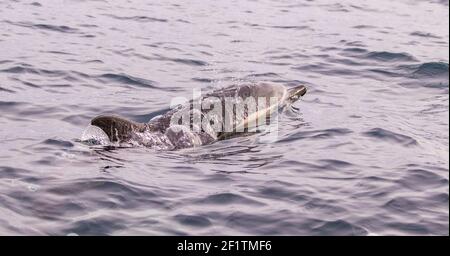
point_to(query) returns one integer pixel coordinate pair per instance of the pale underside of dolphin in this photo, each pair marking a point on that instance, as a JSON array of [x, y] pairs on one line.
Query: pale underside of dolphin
[[250, 106]]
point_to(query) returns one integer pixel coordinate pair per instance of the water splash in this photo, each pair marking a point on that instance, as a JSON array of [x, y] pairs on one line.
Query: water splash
[[93, 135]]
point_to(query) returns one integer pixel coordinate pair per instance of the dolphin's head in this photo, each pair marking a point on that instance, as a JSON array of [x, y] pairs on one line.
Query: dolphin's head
[[272, 90], [262, 90], [117, 128], [295, 93]]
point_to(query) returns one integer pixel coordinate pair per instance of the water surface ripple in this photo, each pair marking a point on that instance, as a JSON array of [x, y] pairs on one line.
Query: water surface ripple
[[366, 153]]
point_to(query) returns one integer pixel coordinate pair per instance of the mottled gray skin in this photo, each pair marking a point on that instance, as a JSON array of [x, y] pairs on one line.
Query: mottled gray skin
[[159, 132]]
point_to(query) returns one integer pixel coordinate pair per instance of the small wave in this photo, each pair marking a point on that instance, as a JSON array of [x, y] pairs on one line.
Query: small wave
[[59, 143], [364, 27], [202, 80], [264, 75], [193, 220], [184, 21], [336, 7], [336, 163], [137, 18], [122, 191], [77, 120], [339, 228], [422, 180], [190, 62], [319, 134], [103, 225], [385, 135], [126, 79], [5, 61], [227, 198], [19, 70], [410, 228], [443, 2], [353, 43], [57, 52], [6, 90], [430, 75], [355, 50], [63, 29], [439, 199], [282, 192], [7, 172], [88, 25], [48, 27], [389, 56], [431, 69], [4, 105], [28, 69], [364, 8], [292, 27], [424, 34], [401, 204], [384, 72]]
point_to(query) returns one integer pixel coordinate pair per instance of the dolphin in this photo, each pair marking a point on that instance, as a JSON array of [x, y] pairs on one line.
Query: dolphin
[[238, 108]]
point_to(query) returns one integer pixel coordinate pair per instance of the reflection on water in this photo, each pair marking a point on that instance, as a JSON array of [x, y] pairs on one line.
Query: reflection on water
[[365, 152]]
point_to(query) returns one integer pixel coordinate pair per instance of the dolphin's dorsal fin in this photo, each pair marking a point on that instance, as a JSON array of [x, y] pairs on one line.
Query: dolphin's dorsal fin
[[118, 128]]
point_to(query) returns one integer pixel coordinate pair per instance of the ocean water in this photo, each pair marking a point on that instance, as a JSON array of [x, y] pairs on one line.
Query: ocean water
[[367, 152]]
